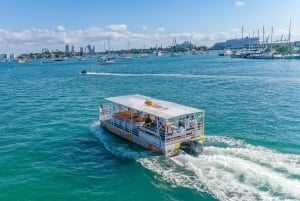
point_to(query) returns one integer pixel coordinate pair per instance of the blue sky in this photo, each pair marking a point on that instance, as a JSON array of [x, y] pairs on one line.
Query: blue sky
[[29, 25]]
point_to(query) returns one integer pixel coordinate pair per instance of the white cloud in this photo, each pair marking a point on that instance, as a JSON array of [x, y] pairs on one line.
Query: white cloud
[[161, 29], [144, 27], [60, 28], [34, 39], [239, 3], [117, 27]]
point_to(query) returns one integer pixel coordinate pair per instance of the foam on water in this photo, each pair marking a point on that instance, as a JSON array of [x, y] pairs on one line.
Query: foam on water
[[143, 74], [235, 171], [229, 169], [179, 75]]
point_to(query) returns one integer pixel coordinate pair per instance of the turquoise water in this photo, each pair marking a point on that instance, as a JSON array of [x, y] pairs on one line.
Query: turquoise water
[[52, 147]]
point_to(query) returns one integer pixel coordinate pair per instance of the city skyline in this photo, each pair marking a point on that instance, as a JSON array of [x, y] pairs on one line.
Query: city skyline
[[31, 26]]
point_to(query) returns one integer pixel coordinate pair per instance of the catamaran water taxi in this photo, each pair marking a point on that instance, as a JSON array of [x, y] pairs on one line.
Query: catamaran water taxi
[[154, 124]]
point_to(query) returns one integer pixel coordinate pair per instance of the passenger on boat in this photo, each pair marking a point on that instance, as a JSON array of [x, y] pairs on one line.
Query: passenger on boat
[[193, 122], [101, 109], [181, 123], [148, 121], [169, 128], [140, 114], [187, 122]]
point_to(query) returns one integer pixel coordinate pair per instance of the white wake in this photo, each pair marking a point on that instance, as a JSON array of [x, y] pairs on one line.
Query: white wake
[[203, 76], [235, 171], [229, 169]]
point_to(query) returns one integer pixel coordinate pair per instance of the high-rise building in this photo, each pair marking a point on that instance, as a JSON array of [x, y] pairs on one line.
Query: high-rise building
[[45, 50], [67, 49], [72, 49], [88, 49], [81, 51]]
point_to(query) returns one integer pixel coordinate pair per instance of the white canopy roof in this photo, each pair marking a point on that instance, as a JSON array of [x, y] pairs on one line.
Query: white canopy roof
[[162, 109]]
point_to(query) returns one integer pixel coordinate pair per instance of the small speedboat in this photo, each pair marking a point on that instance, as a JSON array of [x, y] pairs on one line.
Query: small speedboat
[[83, 72]]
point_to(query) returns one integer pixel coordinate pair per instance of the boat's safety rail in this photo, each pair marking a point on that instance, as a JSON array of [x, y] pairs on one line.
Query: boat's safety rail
[[137, 129], [181, 134], [125, 124], [105, 112]]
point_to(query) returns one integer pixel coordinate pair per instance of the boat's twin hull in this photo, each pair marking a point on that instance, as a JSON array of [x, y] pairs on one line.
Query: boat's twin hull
[[169, 150], [130, 137]]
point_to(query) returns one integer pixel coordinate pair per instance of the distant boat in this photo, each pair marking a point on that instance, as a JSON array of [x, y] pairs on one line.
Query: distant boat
[[126, 55], [58, 59], [108, 58], [267, 55], [225, 52], [81, 59], [83, 72], [21, 61], [143, 55], [174, 52], [158, 53]]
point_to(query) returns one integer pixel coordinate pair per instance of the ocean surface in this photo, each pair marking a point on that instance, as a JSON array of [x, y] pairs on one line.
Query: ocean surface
[[53, 148]]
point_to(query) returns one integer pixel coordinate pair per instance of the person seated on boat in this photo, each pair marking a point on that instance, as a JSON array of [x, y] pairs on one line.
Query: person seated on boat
[[187, 122], [169, 128], [181, 123], [140, 114], [135, 114], [101, 109], [148, 120], [193, 122]]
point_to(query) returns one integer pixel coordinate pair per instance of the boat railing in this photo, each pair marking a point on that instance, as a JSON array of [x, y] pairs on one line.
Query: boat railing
[[105, 112], [125, 124], [181, 134]]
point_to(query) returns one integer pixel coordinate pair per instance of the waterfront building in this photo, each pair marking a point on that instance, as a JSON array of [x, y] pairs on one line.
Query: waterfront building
[[81, 51], [241, 43], [185, 45], [45, 50], [4, 56], [67, 49], [13, 56]]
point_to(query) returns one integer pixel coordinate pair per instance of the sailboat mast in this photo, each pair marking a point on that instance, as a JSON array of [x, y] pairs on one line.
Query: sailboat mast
[[264, 35], [258, 38], [242, 32], [271, 37], [290, 31], [289, 45]]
